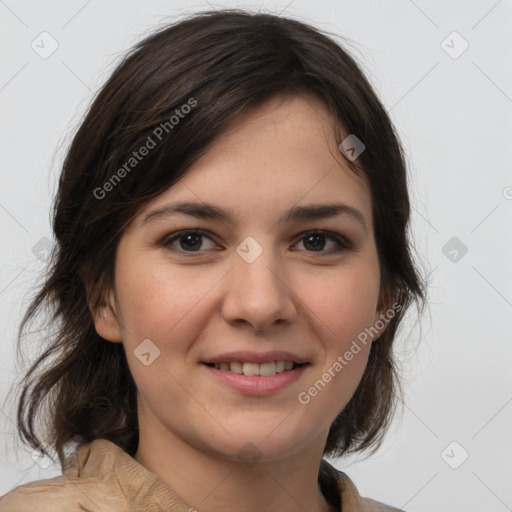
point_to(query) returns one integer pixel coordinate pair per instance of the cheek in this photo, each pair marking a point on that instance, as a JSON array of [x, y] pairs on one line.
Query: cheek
[[161, 305], [345, 304]]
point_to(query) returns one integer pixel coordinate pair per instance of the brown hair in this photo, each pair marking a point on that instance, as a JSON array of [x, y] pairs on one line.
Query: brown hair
[[227, 62]]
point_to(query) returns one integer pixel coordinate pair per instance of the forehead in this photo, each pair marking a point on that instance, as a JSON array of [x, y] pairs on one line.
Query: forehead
[[277, 155]]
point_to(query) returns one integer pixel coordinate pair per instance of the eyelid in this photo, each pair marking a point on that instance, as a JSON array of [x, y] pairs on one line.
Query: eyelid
[[176, 235], [343, 243]]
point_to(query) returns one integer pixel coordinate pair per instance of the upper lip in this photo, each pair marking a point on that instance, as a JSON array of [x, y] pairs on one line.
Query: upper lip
[[245, 356]]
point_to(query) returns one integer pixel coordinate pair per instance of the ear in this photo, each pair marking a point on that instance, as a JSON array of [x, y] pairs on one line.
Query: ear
[[383, 314], [103, 311]]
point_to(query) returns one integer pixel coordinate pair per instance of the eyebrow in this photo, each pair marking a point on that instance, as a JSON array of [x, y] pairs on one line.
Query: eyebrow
[[209, 211]]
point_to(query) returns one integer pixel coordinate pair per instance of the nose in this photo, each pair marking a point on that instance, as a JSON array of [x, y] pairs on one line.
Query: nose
[[258, 295]]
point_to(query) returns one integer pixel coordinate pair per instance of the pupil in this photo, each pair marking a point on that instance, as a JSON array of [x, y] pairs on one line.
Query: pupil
[[192, 241], [189, 241], [314, 245]]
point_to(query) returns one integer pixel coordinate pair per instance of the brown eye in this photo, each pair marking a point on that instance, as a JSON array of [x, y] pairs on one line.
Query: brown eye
[[187, 241], [316, 241]]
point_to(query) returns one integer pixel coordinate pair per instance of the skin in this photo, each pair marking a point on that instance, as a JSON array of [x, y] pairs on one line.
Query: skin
[[311, 300]]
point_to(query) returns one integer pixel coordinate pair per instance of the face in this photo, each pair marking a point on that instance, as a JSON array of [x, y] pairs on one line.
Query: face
[[237, 313]]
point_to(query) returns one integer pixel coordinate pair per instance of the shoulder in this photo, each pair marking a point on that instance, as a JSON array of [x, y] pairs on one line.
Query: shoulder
[[377, 506], [54, 494], [62, 494], [77, 490], [351, 500], [357, 502]]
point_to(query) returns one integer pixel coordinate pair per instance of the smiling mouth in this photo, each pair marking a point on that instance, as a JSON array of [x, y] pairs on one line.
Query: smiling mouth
[[254, 369]]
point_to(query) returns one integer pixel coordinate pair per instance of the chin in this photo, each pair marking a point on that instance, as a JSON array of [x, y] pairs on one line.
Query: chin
[[263, 442]]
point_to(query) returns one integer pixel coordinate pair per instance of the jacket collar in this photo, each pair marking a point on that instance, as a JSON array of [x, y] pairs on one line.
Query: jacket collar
[[141, 489]]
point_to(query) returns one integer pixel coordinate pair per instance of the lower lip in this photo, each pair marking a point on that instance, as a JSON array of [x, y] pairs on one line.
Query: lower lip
[[258, 385]]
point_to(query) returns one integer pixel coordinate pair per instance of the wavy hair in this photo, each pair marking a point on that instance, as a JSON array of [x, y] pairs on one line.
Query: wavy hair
[[228, 61]]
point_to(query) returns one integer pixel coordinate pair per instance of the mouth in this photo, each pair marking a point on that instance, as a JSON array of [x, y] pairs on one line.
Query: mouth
[[250, 369], [252, 373]]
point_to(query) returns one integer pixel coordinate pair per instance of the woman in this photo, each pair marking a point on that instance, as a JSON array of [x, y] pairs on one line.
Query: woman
[[231, 267]]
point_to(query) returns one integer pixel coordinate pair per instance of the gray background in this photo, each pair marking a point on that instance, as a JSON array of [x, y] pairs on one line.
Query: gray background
[[453, 111]]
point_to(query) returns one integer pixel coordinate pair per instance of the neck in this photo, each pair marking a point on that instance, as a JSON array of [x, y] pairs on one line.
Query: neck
[[206, 481]]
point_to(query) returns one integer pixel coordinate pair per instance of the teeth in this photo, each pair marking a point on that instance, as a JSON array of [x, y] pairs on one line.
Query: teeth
[[236, 367], [251, 369], [254, 369], [268, 369]]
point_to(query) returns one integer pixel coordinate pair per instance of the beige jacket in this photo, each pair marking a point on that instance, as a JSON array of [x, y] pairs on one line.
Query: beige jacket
[[104, 478]]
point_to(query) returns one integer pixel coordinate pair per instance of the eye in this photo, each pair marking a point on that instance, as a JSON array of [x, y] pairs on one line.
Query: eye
[[315, 241], [193, 241], [187, 241]]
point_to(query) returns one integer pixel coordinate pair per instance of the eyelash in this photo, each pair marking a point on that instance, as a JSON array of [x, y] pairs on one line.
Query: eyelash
[[343, 243]]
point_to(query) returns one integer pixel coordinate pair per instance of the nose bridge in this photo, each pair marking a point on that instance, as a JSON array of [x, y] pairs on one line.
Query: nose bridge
[[257, 292]]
